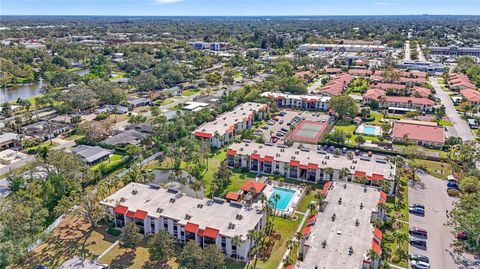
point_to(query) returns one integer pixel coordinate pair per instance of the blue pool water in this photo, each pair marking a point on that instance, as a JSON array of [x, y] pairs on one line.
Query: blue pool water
[[369, 130], [285, 198]]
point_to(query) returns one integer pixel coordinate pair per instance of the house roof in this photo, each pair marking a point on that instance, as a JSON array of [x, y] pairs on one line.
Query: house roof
[[374, 93], [132, 137], [90, 153], [407, 99], [253, 184], [232, 196], [418, 132], [471, 95]]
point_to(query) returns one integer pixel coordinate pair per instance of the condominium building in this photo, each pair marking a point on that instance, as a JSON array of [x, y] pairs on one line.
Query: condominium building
[[227, 125], [307, 164], [306, 102], [216, 46], [455, 51], [205, 221]]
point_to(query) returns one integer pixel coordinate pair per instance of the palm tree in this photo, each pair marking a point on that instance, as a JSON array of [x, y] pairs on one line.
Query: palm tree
[[320, 198], [329, 171], [275, 199], [237, 241], [372, 255], [343, 173], [196, 186]]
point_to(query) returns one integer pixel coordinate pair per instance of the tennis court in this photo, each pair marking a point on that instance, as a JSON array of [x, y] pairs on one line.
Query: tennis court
[[308, 131]]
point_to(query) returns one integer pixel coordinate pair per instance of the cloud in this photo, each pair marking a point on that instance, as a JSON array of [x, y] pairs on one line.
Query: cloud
[[383, 3], [166, 1]]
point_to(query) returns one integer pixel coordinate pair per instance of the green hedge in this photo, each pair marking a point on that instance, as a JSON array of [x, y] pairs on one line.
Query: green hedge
[[113, 231]]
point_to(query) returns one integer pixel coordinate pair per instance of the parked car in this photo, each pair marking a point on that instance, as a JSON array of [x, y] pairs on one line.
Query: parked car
[[284, 129], [418, 206], [265, 127], [415, 231], [419, 265], [331, 148], [419, 243], [462, 235], [281, 121], [452, 185], [416, 211], [344, 150], [422, 258]]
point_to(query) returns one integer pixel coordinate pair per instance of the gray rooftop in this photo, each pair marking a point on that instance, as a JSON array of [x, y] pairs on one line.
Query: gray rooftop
[[80, 263], [132, 137], [215, 215], [91, 154], [376, 164], [342, 233], [6, 137]]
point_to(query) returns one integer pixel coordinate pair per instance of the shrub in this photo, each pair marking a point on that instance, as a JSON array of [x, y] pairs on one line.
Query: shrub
[[114, 231], [453, 192]]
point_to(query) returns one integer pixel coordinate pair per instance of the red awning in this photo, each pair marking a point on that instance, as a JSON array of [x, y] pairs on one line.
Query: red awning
[[268, 159], [130, 214], [306, 230], [294, 163], [325, 187], [376, 247], [312, 218], [233, 196], [376, 177], [200, 232], [140, 214], [210, 232], [255, 156], [359, 174], [203, 135], [303, 167], [231, 152], [383, 197], [230, 129], [120, 209], [191, 227], [377, 233], [312, 166]]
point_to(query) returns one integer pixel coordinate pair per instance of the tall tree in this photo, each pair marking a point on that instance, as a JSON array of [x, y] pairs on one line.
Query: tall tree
[[161, 247], [192, 256], [131, 236]]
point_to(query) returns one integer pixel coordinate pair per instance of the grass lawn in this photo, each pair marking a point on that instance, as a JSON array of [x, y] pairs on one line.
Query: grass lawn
[[74, 236], [445, 123], [46, 144], [286, 229], [307, 198], [113, 160], [350, 129], [436, 169], [176, 107], [232, 264], [189, 92], [164, 102], [378, 118], [74, 137]]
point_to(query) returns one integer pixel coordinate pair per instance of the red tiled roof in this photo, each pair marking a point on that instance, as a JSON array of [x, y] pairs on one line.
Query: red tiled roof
[[255, 156], [375, 177], [418, 132], [376, 247], [312, 166], [386, 86], [203, 135], [231, 152], [191, 227], [374, 93], [268, 159], [130, 214], [424, 92], [140, 214], [256, 185], [120, 209], [383, 197], [406, 100], [233, 196], [210, 232], [306, 230], [290, 266], [377, 233], [359, 174], [471, 95], [294, 163], [332, 70]]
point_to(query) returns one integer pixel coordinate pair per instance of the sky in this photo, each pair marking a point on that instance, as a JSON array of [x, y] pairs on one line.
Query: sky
[[238, 7]]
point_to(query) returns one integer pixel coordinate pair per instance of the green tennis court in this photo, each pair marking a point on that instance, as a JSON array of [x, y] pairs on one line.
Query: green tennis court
[[308, 131]]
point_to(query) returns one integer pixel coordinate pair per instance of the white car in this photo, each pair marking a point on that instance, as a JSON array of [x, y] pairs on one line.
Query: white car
[[419, 265]]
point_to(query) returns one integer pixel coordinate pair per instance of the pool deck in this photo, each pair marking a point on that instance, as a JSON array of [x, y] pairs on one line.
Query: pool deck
[[376, 132]]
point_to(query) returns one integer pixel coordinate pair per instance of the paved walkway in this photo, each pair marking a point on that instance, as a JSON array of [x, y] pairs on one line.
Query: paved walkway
[[396, 266], [421, 57], [280, 266], [107, 250], [407, 51], [460, 127], [314, 86]]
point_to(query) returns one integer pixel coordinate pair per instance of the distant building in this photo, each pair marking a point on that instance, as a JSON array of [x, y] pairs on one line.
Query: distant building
[[215, 46], [306, 102], [342, 48], [9, 140], [92, 155], [431, 68], [455, 51]]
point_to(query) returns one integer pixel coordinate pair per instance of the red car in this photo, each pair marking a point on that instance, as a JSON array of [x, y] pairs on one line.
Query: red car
[[462, 235]]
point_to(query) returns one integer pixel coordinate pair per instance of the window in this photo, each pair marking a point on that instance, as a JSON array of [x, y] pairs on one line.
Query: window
[[165, 224]]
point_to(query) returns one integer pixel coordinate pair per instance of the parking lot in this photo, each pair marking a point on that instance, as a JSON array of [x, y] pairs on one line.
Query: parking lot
[[282, 120], [432, 193]]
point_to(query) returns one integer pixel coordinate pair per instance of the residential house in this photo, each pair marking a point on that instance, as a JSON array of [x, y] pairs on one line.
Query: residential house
[[92, 154], [422, 133], [129, 137]]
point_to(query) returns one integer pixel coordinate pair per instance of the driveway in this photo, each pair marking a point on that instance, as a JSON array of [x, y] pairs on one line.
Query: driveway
[[460, 126], [432, 192], [407, 51]]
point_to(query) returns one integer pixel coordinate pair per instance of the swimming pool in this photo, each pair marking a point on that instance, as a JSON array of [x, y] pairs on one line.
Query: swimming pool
[[285, 198], [369, 130]]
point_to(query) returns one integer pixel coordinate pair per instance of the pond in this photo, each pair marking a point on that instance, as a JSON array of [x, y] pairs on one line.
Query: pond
[[23, 91]]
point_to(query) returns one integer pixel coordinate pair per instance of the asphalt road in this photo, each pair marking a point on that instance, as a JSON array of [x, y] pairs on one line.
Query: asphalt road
[[432, 192], [407, 51], [460, 126]]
